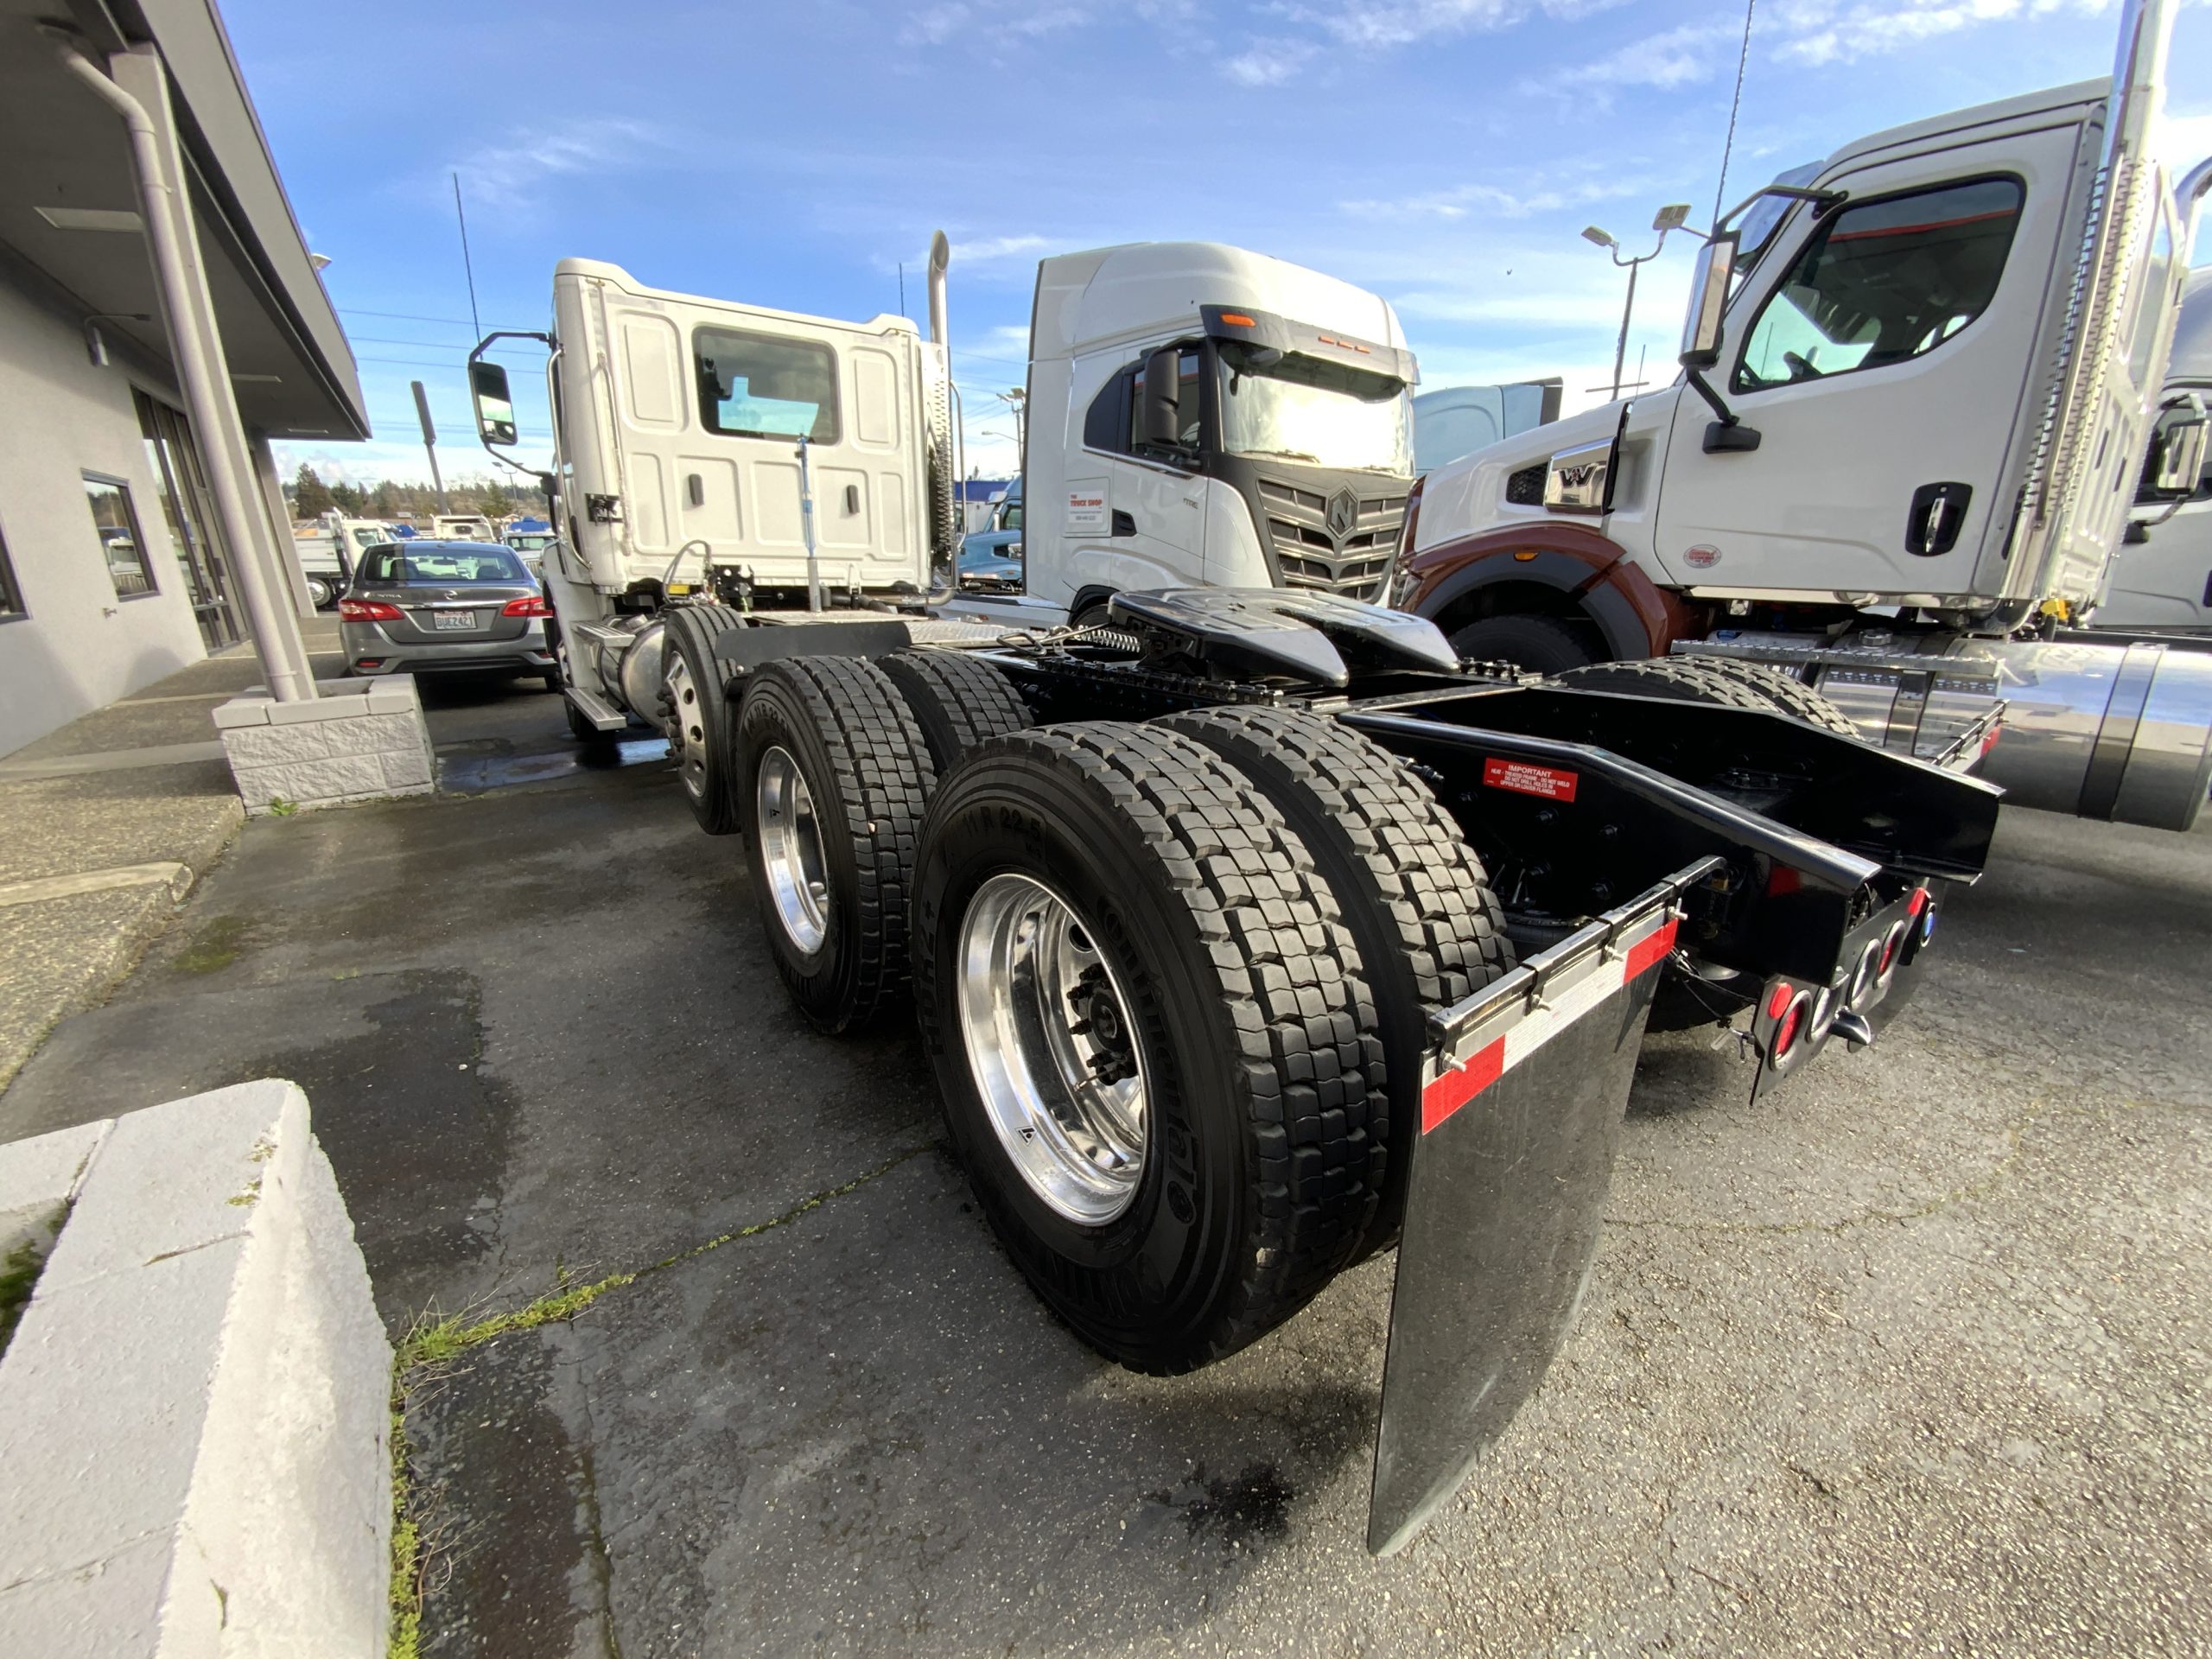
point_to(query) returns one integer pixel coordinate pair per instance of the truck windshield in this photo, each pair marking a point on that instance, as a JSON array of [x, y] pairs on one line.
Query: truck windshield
[[1301, 409]]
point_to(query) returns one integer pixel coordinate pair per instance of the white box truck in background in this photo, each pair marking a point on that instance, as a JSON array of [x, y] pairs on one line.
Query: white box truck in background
[[1920, 383]]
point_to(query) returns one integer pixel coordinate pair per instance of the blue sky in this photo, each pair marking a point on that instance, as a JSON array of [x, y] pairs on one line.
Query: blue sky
[[1444, 153]]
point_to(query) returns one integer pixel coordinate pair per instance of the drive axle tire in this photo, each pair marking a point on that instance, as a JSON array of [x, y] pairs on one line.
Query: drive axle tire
[[1542, 644], [696, 710], [1413, 893], [1788, 695], [832, 780], [956, 701], [1675, 679], [1157, 1051]]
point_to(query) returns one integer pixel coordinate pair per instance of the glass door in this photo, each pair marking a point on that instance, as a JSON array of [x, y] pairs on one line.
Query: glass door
[[189, 508]]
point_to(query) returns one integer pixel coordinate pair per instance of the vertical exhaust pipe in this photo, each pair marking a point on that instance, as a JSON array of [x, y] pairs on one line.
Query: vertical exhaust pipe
[[940, 257]]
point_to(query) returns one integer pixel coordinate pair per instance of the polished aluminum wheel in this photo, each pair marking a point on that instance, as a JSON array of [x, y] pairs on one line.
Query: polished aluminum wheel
[[687, 729], [790, 837], [1050, 1048]]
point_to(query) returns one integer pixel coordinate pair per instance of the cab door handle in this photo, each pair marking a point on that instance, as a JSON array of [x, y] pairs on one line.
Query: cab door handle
[[1931, 526]]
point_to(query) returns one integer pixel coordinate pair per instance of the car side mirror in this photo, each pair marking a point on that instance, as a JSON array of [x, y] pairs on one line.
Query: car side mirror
[[1716, 266], [2176, 461], [495, 408], [1160, 419]]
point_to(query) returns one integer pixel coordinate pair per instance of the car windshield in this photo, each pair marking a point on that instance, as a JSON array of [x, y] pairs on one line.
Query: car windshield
[[443, 565], [1327, 414]]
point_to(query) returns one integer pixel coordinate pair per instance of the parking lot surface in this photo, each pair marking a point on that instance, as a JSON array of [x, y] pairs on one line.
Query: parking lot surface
[[1911, 1356]]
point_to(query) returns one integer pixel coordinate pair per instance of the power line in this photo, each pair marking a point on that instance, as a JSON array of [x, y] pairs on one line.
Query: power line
[[1742, 58]]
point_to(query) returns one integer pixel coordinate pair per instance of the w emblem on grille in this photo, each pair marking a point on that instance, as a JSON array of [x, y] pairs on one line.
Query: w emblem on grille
[[1343, 514]]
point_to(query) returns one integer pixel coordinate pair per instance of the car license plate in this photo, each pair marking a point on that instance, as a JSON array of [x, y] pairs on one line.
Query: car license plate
[[455, 620]]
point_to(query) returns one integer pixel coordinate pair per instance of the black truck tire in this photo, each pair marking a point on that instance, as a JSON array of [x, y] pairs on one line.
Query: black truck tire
[[1542, 644], [1250, 1034], [1414, 894], [1676, 678], [696, 709], [831, 838], [1788, 695], [956, 699]]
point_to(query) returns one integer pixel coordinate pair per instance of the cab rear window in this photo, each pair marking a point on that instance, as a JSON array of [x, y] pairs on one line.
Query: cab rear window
[[399, 566]]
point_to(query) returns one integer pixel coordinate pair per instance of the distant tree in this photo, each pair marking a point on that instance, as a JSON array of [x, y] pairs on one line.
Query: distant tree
[[497, 503], [381, 503], [348, 498], [311, 497]]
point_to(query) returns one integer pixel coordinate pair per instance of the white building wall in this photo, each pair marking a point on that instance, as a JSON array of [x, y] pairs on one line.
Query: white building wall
[[77, 646]]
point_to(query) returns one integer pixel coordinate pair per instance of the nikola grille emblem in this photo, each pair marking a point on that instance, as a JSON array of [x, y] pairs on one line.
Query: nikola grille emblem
[[1343, 514]]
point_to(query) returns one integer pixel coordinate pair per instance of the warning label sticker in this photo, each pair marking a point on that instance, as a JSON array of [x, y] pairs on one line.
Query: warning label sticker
[[1524, 777]]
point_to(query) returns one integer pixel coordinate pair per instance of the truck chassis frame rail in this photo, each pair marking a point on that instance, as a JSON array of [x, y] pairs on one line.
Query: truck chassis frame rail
[[1802, 868]]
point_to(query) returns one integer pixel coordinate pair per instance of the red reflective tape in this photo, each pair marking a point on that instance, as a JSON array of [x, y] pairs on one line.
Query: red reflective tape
[[1652, 952], [1455, 1089], [1524, 779], [1919, 902]]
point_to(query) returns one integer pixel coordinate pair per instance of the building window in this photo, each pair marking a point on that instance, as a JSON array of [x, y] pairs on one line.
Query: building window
[[761, 386], [117, 525], [12, 597]]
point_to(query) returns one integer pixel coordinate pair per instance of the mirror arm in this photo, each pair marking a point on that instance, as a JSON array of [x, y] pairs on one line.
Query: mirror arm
[[1728, 434], [1822, 200]]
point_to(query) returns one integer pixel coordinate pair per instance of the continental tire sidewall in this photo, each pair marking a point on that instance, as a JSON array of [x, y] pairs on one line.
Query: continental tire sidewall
[[825, 981], [1143, 1285]]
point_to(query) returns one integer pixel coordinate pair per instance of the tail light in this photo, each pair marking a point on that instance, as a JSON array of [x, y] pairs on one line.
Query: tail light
[[1792, 1022], [367, 610], [535, 604]]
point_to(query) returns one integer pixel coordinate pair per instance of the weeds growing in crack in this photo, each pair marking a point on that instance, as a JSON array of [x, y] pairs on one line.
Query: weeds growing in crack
[[436, 1339]]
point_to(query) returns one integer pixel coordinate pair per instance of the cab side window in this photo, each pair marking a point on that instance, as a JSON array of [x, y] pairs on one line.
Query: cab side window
[[1110, 422], [1883, 283]]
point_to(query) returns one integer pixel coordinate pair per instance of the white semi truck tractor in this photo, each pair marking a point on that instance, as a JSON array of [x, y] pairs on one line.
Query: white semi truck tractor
[[1247, 934], [2161, 580], [1199, 414], [1920, 381]]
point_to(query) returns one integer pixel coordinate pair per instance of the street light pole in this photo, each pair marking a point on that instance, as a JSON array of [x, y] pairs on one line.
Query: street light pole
[[1667, 219]]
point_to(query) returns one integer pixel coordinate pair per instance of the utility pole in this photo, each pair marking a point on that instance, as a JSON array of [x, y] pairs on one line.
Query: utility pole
[[1017, 399], [430, 445], [1667, 219]]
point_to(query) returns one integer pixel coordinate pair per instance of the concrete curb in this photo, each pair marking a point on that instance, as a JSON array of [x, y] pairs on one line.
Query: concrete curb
[[194, 1412], [111, 946]]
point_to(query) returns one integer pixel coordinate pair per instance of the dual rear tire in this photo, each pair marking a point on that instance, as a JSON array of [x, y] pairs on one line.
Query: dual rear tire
[[1172, 977]]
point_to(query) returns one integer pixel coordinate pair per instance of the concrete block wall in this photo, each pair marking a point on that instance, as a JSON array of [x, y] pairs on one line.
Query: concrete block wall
[[194, 1409], [359, 740]]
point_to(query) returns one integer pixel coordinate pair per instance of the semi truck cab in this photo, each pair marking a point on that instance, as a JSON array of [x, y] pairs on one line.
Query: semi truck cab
[[1920, 395]]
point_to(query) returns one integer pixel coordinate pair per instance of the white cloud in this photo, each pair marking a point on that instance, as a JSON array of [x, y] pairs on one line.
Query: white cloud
[[1378, 24], [1270, 63], [1459, 201], [1823, 31], [984, 249], [512, 173]]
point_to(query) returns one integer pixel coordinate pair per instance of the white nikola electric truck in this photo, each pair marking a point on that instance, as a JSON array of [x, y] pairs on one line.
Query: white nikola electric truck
[[1197, 416], [1920, 380]]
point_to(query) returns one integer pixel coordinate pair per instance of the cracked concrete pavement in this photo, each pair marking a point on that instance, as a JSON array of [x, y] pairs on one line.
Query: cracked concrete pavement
[[1911, 1355]]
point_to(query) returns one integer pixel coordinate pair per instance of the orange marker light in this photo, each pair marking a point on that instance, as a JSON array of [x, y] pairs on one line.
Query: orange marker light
[[1238, 320]]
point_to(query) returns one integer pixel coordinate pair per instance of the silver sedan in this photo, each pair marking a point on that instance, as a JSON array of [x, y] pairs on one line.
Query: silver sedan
[[445, 608]]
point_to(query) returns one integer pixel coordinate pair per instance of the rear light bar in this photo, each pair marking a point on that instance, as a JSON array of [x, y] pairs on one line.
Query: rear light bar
[[534, 605], [367, 610]]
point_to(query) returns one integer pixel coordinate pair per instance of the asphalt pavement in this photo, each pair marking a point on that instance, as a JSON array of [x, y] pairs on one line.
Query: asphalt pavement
[[1910, 1357]]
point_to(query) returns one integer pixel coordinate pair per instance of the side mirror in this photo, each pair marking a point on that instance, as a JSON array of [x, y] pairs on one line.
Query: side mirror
[[1716, 265], [495, 409], [1160, 419], [2175, 462]]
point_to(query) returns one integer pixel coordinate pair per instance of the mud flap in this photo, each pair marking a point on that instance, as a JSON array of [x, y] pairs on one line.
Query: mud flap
[[1520, 1112]]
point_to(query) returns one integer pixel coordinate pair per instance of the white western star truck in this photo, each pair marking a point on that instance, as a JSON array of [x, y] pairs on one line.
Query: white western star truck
[[1248, 934], [1920, 382]]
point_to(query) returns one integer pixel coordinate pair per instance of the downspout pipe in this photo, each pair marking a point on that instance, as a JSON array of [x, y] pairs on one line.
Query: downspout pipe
[[209, 412]]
